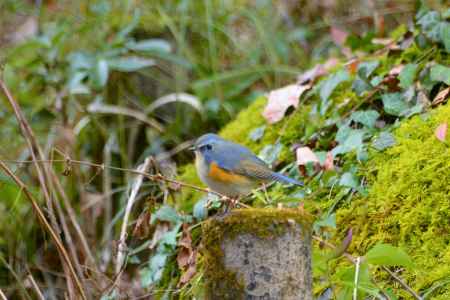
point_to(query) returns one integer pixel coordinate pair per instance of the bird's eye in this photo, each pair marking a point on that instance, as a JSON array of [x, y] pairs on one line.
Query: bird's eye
[[208, 147]]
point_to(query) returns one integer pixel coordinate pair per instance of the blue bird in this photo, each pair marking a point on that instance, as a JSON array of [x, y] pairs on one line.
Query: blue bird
[[231, 169]]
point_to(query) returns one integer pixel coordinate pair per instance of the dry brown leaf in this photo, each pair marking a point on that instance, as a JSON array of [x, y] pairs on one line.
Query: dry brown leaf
[[338, 35], [396, 70], [441, 132], [441, 96], [190, 272], [161, 229], [280, 100], [306, 155], [319, 70], [142, 227], [328, 164]]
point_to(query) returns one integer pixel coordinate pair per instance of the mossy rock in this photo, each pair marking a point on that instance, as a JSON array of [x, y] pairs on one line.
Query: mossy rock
[[408, 204], [253, 227]]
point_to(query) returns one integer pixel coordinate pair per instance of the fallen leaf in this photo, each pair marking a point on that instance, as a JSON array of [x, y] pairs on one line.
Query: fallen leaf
[[186, 258], [280, 100], [319, 70], [396, 70], [306, 155], [441, 96], [441, 132], [161, 229], [328, 164], [142, 227], [190, 272], [338, 35]]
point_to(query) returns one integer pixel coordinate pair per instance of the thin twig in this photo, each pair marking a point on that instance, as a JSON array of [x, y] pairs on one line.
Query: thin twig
[[151, 177], [402, 283], [392, 274], [2, 295], [43, 176], [355, 288], [35, 287], [134, 191]]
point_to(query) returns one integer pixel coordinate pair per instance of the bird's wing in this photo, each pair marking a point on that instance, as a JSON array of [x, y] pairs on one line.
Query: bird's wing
[[241, 161]]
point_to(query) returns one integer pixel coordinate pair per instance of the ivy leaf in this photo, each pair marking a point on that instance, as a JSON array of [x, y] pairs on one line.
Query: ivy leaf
[[200, 211], [431, 25], [328, 220], [366, 69], [130, 63], [387, 255], [332, 82], [393, 104], [445, 36], [385, 140], [270, 153], [348, 179], [440, 73], [367, 118], [407, 75], [153, 273], [169, 214], [353, 141]]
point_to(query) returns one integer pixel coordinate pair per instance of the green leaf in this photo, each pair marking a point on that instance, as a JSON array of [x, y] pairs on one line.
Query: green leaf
[[81, 61], [348, 179], [431, 25], [168, 214], [445, 36], [100, 76], [200, 211], [150, 45], [325, 221], [385, 140], [407, 75], [393, 104], [440, 73], [270, 153], [153, 273], [130, 63], [332, 82], [387, 255], [353, 141], [365, 69], [367, 117]]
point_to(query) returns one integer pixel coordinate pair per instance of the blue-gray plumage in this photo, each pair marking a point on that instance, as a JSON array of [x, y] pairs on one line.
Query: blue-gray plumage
[[232, 169]]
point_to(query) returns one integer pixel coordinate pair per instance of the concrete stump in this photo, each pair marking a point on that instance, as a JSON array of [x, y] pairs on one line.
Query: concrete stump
[[258, 254]]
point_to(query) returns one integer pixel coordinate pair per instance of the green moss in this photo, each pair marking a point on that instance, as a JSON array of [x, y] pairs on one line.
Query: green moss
[[263, 223], [409, 201]]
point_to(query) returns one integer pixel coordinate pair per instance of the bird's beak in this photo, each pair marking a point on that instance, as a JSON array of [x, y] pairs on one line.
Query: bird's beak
[[192, 148]]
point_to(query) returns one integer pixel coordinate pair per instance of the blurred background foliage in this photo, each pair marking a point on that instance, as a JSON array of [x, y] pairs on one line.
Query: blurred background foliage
[[116, 81]]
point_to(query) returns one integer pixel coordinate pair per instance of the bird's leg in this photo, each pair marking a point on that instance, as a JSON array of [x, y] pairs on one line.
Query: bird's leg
[[230, 203]]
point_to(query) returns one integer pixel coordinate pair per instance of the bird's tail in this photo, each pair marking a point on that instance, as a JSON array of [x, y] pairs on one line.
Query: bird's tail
[[285, 179]]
